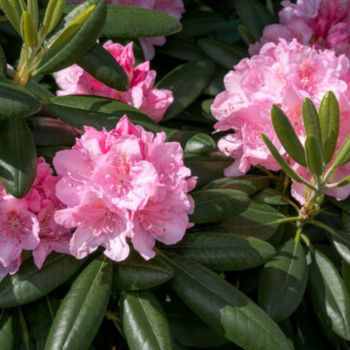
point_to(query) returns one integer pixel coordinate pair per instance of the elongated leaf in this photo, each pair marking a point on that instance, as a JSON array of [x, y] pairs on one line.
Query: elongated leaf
[[329, 295], [79, 43], [97, 112], [30, 284], [341, 242], [254, 16], [287, 135], [13, 13], [223, 252], [28, 30], [186, 82], [144, 322], [217, 205], [271, 196], [200, 143], [283, 281], [313, 155], [16, 101], [135, 273], [183, 49], [17, 157], [343, 155], [345, 271], [103, 66], [82, 310], [53, 14], [329, 121], [10, 329], [225, 308], [3, 63], [135, 22], [224, 54]]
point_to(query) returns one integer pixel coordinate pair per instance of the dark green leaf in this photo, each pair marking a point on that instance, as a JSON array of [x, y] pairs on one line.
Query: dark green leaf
[[200, 143], [38, 90], [313, 156], [97, 112], [82, 310], [329, 121], [135, 273], [217, 205], [271, 196], [287, 135], [343, 155], [3, 63], [144, 322], [30, 284], [223, 252], [206, 105], [10, 330], [134, 22], [283, 281], [79, 43], [17, 157], [186, 82], [254, 16], [246, 34], [329, 294], [225, 308], [341, 242], [345, 271], [224, 54]]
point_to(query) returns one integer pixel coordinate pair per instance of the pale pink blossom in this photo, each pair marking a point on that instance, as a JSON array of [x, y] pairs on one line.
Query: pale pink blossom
[[283, 74], [142, 93], [322, 24], [120, 185]]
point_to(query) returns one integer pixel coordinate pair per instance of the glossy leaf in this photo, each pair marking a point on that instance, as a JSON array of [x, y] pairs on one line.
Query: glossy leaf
[[283, 281], [287, 135], [30, 284], [135, 273], [10, 329], [329, 121], [79, 43], [225, 308], [103, 66], [135, 22], [329, 294], [222, 251], [186, 82], [182, 49], [17, 157], [343, 155], [97, 112], [314, 157], [144, 322], [200, 143], [341, 242], [217, 205], [272, 197], [82, 310]]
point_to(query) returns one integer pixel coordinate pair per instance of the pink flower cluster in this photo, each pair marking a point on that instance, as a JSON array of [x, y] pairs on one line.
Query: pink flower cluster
[[174, 8], [283, 74], [322, 24], [28, 223], [142, 94], [126, 183]]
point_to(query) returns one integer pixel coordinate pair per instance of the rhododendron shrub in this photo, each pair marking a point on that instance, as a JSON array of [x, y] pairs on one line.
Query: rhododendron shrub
[[282, 74], [142, 93], [125, 183]]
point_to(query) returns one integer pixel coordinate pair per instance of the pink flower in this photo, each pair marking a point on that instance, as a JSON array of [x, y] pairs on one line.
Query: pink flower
[[282, 74], [322, 24], [142, 94], [174, 8], [123, 184]]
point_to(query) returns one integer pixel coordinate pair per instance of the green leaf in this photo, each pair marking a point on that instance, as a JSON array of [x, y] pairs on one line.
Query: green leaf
[[135, 273], [287, 135], [343, 155], [217, 205], [30, 284], [144, 322], [259, 221], [10, 330], [341, 241], [186, 82], [254, 16], [223, 53], [329, 295], [53, 14], [283, 281], [200, 143], [34, 12], [271, 196], [345, 271], [16, 101], [135, 22], [17, 157], [82, 310], [223, 252], [28, 31], [343, 182], [329, 121], [103, 66], [183, 49], [97, 112], [224, 308], [314, 158], [79, 43], [3, 63], [246, 34], [249, 184], [12, 12]]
